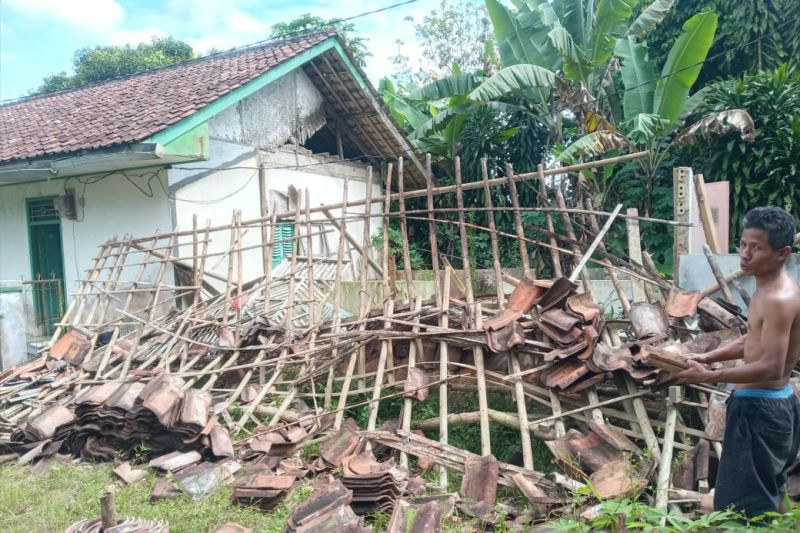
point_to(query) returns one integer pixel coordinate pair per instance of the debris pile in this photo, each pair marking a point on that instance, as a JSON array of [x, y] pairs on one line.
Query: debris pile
[[119, 419], [276, 360]]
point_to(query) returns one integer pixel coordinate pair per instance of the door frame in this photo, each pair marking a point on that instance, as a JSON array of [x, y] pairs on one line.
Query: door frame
[[38, 310]]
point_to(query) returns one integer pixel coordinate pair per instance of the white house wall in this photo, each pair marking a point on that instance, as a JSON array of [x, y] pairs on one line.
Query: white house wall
[[111, 206], [264, 128], [216, 194]]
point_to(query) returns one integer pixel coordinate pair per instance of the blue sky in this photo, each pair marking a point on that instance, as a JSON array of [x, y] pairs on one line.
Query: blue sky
[[39, 37]]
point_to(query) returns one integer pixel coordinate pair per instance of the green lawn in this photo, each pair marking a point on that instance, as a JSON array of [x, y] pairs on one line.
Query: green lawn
[[62, 494]]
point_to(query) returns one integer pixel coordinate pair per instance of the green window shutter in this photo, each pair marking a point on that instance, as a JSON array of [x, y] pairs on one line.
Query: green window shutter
[[284, 231]]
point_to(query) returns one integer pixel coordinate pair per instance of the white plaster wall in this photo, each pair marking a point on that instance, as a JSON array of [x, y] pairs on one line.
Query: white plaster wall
[[111, 206], [12, 328], [216, 194]]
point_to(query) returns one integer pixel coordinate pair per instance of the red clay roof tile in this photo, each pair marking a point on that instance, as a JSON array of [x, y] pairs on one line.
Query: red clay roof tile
[[131, 109]]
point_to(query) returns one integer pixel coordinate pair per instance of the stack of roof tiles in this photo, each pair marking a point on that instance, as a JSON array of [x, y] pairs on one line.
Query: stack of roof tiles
[[120, 419]]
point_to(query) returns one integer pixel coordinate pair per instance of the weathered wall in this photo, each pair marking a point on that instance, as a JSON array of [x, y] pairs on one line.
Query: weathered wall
[[265, 128], [111, 206], [216, 194], [12, 325], [290, 109]]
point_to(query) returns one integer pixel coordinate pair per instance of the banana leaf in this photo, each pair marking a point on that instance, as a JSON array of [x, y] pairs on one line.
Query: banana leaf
[[718, 124], [513, 79], [638, 75], [458, 85], [650, 18], [683, 65], [596, 143]]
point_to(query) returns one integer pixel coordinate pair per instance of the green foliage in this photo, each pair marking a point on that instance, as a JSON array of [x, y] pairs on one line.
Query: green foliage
[[63, 494], [91, 65], [764, 172], [683, 65], [308, 23], [626, 514], [396, 245], [741, 23], [457, 32]]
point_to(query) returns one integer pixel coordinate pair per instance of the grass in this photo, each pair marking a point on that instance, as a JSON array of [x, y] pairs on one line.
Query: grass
[[66, 493]]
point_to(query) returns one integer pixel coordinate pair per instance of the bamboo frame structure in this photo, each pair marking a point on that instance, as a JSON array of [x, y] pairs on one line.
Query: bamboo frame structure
[[273, 333]]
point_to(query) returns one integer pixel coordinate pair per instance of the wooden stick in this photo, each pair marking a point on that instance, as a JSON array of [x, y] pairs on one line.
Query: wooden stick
[[376, 389], [523, 247], [108, 512], [706, 217], [444, 359], [337, 297], [388, 289], [665, 466], [635, 253], [442, 190], [557, 272], [362, 353], [592, 247], [342, 228], [363, 311], [519, 394], [712, 262], [473, 313]]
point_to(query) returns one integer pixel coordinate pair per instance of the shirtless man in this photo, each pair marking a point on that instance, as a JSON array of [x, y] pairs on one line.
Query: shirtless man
[[762, 433]]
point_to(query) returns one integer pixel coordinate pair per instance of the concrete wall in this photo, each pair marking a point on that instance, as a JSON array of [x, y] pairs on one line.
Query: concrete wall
[[695, 274], [266, 128], [12, 325], [107, 207]]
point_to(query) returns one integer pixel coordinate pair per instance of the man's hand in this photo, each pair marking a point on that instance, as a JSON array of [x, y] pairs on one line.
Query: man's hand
[[699, 357], [696, 373]]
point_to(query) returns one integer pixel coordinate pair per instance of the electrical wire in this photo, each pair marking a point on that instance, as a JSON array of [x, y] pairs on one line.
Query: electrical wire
[[369, 156]]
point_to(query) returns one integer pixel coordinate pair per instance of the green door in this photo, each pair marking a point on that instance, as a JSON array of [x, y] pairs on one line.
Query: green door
[[47, 262]]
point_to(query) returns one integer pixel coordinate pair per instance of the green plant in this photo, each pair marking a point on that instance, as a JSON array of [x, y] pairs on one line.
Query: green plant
[[765, 171]]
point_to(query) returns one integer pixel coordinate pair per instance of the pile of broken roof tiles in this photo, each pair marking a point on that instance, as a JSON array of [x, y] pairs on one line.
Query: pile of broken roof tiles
[[112, 420]]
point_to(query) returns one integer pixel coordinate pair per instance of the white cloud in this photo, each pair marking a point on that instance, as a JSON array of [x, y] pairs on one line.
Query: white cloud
[[93, 15], [238, 22]]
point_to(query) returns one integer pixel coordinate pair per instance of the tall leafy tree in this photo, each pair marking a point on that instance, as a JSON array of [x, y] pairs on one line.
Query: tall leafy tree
[[457, 32], [91, 65], [760, 34], [308, 22]]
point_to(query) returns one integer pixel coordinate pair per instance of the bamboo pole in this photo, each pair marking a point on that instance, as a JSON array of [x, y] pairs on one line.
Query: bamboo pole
[[519, 395], [450, 188], [523, 247], [473, 312], [337, 297], [665, 466], [557, 272], [358, 353]]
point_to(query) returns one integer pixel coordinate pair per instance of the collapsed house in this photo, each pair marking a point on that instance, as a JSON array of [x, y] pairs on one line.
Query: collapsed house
[[152, 151], [237, 377]]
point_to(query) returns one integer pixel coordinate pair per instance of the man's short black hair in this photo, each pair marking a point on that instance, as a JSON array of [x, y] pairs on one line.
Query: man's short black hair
[[778, 224]]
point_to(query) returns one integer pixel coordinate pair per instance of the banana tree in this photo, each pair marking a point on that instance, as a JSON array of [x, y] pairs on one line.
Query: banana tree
[[555, 56], [574, 41], [655, 106]]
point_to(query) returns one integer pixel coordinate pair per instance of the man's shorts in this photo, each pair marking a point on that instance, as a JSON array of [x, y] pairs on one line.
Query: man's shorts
[[762, 437]]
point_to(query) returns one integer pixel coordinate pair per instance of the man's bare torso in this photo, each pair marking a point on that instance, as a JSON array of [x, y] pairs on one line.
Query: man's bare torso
[[787, 290]]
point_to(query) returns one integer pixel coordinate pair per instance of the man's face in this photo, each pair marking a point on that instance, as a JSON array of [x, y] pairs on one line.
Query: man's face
[[756, 256]]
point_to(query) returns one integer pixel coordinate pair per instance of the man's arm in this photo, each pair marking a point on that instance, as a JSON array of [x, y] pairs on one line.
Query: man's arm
[[774, 347], [727, 352]]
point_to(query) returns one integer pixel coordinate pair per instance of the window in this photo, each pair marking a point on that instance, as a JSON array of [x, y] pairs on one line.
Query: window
[[284, 231]]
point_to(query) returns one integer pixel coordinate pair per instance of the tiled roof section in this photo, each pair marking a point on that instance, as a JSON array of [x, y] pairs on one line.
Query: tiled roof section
[[131, 109]]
